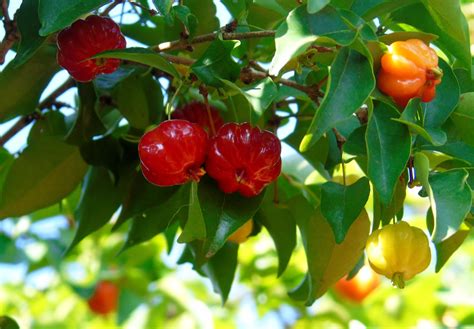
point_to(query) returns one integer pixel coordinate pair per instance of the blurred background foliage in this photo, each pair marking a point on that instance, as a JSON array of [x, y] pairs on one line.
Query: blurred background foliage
[[40, 288]]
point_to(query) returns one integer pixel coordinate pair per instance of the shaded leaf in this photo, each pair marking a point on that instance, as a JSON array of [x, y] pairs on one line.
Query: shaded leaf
[[8, 323], [463, 118], [20, 93], [53, 177], [279, 222], [388, 150], [314, 6], [195, 227], [157, 219], [100, 198], [450, 201], [327, 260], [446, 248], [140, 100]]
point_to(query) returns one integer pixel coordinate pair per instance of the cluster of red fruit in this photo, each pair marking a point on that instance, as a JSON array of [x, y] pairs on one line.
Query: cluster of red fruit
[[241, 158]]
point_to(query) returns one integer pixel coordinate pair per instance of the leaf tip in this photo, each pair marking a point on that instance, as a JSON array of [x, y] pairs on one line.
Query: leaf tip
[[306, 142]]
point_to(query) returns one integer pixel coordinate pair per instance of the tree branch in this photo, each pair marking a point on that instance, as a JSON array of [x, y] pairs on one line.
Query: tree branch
[[11, 33], [27, 119], [107, 10], [186, 43]]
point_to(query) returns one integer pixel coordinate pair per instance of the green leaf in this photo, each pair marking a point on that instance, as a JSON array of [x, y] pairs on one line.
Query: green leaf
[[369, 9], [385, 213], [220, 269], [143, 56], [155, 35], [259, 96], [195, 227], [279, 222], [58, 14], [163, 6], [237, 8], [142, 196], [446, 248], [301, 29], [463, 118], [100, 198], [343, 96], [28, 25], [87, 123], [155, 220], [388, 150], [20, 93], [217, 63], [355, 143], [6, 160], [106, 152], [327, 260], [316, 154], [314, 6], [30, 187], [450, 202], [434, 135], [443, 18], [140, 100], [224, 213], [341, 205], [186, 17], [439, 109], [8, 323]]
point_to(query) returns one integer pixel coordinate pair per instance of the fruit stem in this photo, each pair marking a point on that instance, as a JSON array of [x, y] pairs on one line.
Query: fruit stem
[[397, 280], [204, 93], [171, 101]]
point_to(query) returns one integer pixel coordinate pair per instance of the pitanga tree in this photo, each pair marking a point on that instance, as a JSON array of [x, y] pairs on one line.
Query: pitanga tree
[[179, 136]]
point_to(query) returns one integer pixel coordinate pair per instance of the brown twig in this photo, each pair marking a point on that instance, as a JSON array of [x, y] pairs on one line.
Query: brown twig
[[27, 119], [11, 33], [185, 43], [204, 92]]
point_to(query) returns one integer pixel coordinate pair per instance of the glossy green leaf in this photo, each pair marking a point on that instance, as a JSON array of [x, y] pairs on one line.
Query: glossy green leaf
[[439, 109], [355, 143], [446, 248], [58, 14], [443, 18], [216, 64], [155, 220], [20, 93], [385, 213], [327, 260], [8, 323], [155, 35], [279, 222], [435, 136], [237, 8], [28, 188], [341, 205], [223, 213], [140, 100], [463, 118], [450, 202], [343, 96], [87, 123], [186, 17], [195, 227], [302, 28], [388, 150], [143, 56], [100, 198], [314, 6], [28, 25]]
